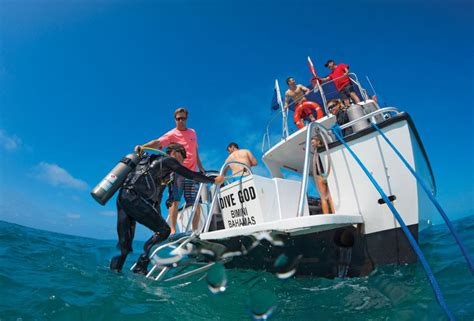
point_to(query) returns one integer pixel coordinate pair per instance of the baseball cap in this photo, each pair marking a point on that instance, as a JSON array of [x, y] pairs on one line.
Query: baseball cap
[[328, 62]]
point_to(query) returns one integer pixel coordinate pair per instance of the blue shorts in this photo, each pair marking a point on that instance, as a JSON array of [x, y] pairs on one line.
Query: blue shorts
[[182, 186]]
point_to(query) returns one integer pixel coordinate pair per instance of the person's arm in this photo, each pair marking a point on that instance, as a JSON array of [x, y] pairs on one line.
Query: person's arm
[[156, 143], [325, 79], [287, 100], [175, 166], [306, 90], [253, 161], [198, 161]]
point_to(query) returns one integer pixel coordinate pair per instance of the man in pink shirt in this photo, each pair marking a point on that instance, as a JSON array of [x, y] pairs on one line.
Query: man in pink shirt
[[186, 137], [341, 81]]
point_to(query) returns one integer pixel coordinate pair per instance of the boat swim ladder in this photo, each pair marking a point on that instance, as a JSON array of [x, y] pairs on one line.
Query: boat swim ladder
[[178, 242], [432, 198], [429, 273]]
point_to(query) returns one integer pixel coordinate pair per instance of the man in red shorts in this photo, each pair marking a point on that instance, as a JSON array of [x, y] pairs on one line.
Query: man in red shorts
[[341, 81]]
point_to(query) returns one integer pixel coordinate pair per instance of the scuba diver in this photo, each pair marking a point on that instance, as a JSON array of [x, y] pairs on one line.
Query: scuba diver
[[140, 197]]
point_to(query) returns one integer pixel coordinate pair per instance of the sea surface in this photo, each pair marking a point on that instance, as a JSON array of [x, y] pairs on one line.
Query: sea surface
[[50, 276]]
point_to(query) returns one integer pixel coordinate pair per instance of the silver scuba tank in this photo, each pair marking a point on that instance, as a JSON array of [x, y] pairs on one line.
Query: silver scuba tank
[[114, 180], [355, 112]]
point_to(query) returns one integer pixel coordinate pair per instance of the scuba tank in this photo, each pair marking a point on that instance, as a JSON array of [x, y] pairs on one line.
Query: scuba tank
[[355, 112], [114, 180]]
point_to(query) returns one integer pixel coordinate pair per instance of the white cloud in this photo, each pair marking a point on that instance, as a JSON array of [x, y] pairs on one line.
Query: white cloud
[[57, 176], [9, 142], [73, 216]]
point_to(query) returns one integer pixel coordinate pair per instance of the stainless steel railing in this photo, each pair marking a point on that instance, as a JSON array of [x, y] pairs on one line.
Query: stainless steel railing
[[217, 191], [371, 115], [266, 140], [307, 161]]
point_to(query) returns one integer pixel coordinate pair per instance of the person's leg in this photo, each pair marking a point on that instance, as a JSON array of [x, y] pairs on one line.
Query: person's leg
[[173, 215], [196, 217], [332, 210], [141, 267], [190, 194], [150, 216], [126, 232], [354, 97], [176, 192], [345, 95], [322, 189], [328, 203]]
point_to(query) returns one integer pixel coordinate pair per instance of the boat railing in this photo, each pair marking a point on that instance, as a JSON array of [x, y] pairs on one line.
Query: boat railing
[[195, 205], [312, 127], [266, 141], [354, 81], [210, 213], [323, 91], [307, 161], [201, 189], [310, 132], [381, 111]]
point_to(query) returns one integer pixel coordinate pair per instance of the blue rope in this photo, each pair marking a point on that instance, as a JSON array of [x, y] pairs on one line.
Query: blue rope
[[433, 200], [434, 284]]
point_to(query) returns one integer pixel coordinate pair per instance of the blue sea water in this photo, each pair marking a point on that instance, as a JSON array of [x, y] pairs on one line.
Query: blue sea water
[[49, 276]]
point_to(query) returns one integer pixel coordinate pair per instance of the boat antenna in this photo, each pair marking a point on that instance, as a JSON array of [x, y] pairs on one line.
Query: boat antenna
[[370, 83]]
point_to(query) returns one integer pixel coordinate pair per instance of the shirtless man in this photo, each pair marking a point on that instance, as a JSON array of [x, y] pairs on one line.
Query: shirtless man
[[296, 92], [242, 156]]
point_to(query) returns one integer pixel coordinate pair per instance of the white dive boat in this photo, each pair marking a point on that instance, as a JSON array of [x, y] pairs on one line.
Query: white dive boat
[[270, 223]]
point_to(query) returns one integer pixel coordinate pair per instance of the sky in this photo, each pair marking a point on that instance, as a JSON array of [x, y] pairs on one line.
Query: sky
[[83, 82]]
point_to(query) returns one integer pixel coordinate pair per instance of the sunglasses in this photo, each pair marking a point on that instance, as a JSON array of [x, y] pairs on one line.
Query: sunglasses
[[181, 118]]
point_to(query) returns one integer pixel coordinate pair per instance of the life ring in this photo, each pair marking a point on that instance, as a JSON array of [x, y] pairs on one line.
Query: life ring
[[305, 109]]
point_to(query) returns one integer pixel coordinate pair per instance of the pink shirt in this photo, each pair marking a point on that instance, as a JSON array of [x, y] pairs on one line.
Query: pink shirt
[[188, 139]]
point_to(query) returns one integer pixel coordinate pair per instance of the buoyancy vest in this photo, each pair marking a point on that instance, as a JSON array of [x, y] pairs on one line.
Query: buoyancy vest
[[150, 177]]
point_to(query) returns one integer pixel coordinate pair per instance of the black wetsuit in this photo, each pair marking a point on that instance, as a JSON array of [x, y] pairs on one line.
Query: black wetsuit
[[342, 118], [139, 201]]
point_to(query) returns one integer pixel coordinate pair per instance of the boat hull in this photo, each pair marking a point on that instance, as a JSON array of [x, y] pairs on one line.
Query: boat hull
[[342, 252]]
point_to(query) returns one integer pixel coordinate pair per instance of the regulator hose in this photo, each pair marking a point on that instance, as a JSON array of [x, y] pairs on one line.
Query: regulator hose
[[151, 149]]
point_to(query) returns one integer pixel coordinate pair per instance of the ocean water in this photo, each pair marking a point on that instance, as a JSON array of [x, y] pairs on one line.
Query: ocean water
[[49, 276]]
